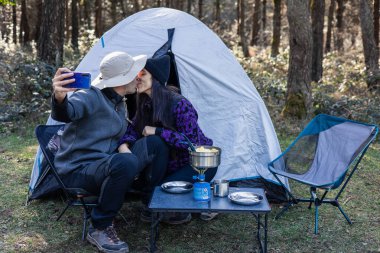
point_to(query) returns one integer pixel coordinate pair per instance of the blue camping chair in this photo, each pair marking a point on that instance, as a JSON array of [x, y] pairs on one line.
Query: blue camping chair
[[321, 156], [74, 196]]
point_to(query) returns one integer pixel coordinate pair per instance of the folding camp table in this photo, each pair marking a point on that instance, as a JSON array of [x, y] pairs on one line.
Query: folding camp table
[[165, 202]]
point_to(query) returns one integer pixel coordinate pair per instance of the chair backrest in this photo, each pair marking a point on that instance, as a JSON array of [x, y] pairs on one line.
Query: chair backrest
[[45, 135], [325, 149]]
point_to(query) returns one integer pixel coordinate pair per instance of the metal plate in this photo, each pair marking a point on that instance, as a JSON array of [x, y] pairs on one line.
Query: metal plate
[[177, 186], [245, 198]]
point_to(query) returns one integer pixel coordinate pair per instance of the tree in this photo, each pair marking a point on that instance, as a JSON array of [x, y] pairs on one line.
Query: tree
[[188, 6], [371, 54], [264, 15], [376, 7], [298, 95], [98, 18], [39, 19], [317, 16], [52, 32], [329, 26], [14, 22], [339, 25], [24, 27], [255, 23], [74, 24], [217, 12], [242, 29], [276, 28], [200, 9]]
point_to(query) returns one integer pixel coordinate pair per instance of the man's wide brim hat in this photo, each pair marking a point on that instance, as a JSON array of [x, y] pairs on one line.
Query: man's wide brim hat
[[118, 69]]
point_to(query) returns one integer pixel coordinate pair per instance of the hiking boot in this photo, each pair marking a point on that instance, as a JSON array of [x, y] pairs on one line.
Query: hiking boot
[[175, 218], [207, 216], [107, 240], [146, 215]]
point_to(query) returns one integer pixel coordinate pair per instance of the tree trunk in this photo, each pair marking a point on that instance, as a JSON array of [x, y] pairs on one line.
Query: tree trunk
[[113, 12], [317, 17], [87, 12], [98, 18], [217, 12], [264, 15], [24, 27], [136, 5], [255, 23], [67, 20], [39, 20], [242, 29], [189, 6], [298, 95], [238, 19], [339, 25], [200, 9], [167, 3], [371, 54], [329, 26], [376, 19], [74, 24], [14, 22], [276, 28], [51, 39]]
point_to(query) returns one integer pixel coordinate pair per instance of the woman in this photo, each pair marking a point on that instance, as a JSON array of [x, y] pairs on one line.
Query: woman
[[156, 134]]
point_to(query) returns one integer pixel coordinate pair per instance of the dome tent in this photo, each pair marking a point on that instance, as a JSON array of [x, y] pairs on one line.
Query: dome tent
[[230, 110]]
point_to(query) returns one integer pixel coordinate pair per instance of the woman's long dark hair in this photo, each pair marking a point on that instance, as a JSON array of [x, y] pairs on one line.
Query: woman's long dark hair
[[157, 110]]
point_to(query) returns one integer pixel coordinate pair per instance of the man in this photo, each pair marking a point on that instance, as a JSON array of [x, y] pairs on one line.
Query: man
[[87, 155]]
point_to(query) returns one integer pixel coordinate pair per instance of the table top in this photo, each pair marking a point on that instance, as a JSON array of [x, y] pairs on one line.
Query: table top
[[168, 202]]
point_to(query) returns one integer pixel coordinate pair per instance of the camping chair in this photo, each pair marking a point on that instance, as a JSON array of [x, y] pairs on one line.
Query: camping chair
[[321, 156], [73, 196]]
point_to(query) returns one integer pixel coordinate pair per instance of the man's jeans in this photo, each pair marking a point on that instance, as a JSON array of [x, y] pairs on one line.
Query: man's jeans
[[110, 178]]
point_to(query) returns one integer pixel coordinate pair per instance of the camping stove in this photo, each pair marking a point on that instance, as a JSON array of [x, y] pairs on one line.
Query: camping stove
[[201, 159]]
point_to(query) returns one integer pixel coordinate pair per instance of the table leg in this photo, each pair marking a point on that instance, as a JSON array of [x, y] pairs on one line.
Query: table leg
[[154, 231], [260, 225]]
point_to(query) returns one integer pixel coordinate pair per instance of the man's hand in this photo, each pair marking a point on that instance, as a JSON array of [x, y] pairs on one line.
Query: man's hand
[[59, 89], [123, 148], [149, 130]]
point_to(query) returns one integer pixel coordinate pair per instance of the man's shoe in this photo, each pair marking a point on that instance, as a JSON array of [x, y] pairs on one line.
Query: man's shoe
[[107, 240], [175, 218], [208, 216]]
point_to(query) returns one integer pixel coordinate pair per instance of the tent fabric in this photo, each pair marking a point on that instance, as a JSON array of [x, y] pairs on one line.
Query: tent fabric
[[230, 110], [323, 152]]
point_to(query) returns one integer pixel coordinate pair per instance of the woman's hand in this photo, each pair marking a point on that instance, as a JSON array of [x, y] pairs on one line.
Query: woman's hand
[[59, 89], [149, 130], [123, 148]]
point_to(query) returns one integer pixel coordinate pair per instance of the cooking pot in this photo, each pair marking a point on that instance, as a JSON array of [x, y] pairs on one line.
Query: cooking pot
[[208, 158]]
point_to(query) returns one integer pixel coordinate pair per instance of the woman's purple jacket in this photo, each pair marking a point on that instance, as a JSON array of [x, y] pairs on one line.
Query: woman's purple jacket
[[185, 117]]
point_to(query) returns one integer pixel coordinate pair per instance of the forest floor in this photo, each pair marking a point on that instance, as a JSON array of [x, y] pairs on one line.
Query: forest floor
[[32, 228], [25, 86]]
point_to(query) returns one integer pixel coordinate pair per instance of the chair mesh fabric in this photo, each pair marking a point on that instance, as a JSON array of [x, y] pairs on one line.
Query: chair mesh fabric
[[324, 151]]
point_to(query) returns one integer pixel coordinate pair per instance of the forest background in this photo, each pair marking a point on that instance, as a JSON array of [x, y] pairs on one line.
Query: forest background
[[304, 57]]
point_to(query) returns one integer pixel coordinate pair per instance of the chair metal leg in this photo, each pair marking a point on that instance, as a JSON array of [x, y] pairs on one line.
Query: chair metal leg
[[284, 209], [63, 211], [344, 214], [316, 220], [85, 218]]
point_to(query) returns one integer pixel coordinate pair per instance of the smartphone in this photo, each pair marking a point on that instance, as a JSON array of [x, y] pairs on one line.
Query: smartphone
[[82, 81]]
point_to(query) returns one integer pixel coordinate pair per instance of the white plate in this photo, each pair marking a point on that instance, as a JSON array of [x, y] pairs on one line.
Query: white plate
[[177, 187], [245, 198]]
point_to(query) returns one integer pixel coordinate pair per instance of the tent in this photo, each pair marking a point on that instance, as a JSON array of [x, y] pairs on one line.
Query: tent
[[230, 110]]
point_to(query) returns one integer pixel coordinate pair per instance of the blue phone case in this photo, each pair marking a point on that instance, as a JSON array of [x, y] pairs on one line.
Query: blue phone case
[[82, 81]]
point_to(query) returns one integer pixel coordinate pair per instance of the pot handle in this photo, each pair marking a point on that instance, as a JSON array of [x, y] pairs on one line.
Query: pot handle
[[188, 142]]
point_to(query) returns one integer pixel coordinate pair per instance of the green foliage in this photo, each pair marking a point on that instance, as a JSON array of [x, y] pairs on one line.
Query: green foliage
[[7, 2]]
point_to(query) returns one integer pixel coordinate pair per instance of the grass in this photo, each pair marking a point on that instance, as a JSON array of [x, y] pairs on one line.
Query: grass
[[33, 228]]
